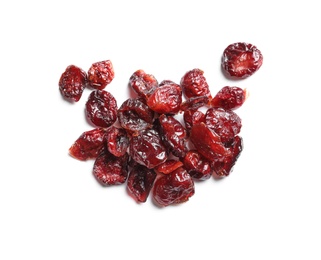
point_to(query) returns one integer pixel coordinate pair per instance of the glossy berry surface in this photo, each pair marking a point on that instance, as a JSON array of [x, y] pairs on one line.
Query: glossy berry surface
[[229, 98], [117, 141], [197, 166], [241, 59], [100, 74], [143, 84], [192, 117], [168, 166]]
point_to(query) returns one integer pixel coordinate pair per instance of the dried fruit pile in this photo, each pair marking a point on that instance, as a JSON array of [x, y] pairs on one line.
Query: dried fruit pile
[[142, 143]]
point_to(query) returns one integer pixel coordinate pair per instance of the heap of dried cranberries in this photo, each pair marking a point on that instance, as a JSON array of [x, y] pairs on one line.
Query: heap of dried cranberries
[[141, 143]]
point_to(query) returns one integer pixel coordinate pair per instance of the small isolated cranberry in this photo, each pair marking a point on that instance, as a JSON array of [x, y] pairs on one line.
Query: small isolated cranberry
[[241, 59], [143, 84], [229, 98], [100, 74], [72, 83]]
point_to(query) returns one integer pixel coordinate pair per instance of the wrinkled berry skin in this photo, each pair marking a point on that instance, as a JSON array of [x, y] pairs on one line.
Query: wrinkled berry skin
[[101, 108], [192, 117], [89, 144], [143, 84], [100, 74], [194, 103], [229, 98], [173, 188], [168, 166], [241, 60], [117, 141], [72, 83], [197, 166]]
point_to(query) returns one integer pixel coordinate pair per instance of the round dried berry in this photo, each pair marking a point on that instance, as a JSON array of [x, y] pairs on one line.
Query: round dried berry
[[197, 166], [72, 83], [229, 98], [241, 59], [100, 74], [101, 108], [143, 84]]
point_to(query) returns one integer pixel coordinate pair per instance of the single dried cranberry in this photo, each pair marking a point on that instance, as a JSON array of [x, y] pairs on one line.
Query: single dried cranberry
[[197, 166], [100, 74], [146, 148], [225, 123], [117, 141], [168, 166], [225, 167], [166, 99], [194, 103], [89, 145], [143, 84], [173, 188], [229, 98], [208, 143], [109, 169], [134, 115], [241, 59], [140, 182], [72, 83], [192, 117], [194, 84], [101, 108], [173, 135]]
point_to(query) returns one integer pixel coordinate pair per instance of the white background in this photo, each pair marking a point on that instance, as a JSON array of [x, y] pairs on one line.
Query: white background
[[51, 205]]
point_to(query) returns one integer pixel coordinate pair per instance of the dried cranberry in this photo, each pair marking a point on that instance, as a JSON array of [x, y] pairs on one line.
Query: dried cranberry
[[166, 99], [109, 169], [100, 74], [143, 84], [194, 84], [117, 141], [72, 83], [134, 115], [241, 59], [88, 145], [229, 98], [140, 182], [168, 166], [101, 108], [197, 166], [192, 117], [194, 103], [225, 123], [175, 187], [146, 148]]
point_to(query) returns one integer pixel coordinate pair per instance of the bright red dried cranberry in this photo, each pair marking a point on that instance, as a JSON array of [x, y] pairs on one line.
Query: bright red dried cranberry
[[225, 167], [208, 143], [72, 83], [100, 74], [168, 166], [194, 103], [173, 188], [146, 148], [225, 123], [241, 59], [143, 84], [229, 98], [197, 166], [117, 141], [166, 99], [192, 117], [194, 84], [134, 115], [89, 145], [109, 169], [140, 182], [173, 135], [101, 108]]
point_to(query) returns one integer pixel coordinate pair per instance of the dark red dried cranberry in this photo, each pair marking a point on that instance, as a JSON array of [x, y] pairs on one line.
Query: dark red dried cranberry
[[100, 74], [229, 98], [173, 188], [197, 166], [241, 59], [109, 169], [194, 103], [166, 99], [194, 84], [117, 141], [72, 83], [192, 117], [225, 123], [143, 84], [89, 145], [140, 182], [146, 148], [225, 167], [101, 108], [134, 115], [168, 166]]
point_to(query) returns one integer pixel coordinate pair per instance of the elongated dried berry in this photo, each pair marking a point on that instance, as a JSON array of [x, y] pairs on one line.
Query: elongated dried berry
[[100, 74], [89, 145], [143, 84], [194, 103], [197, 166], [117, 141], [173, 188], [101, 108], [169, 166], [241, 59], [229, 98], [140, 182], [72, 83], [192, 117]]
